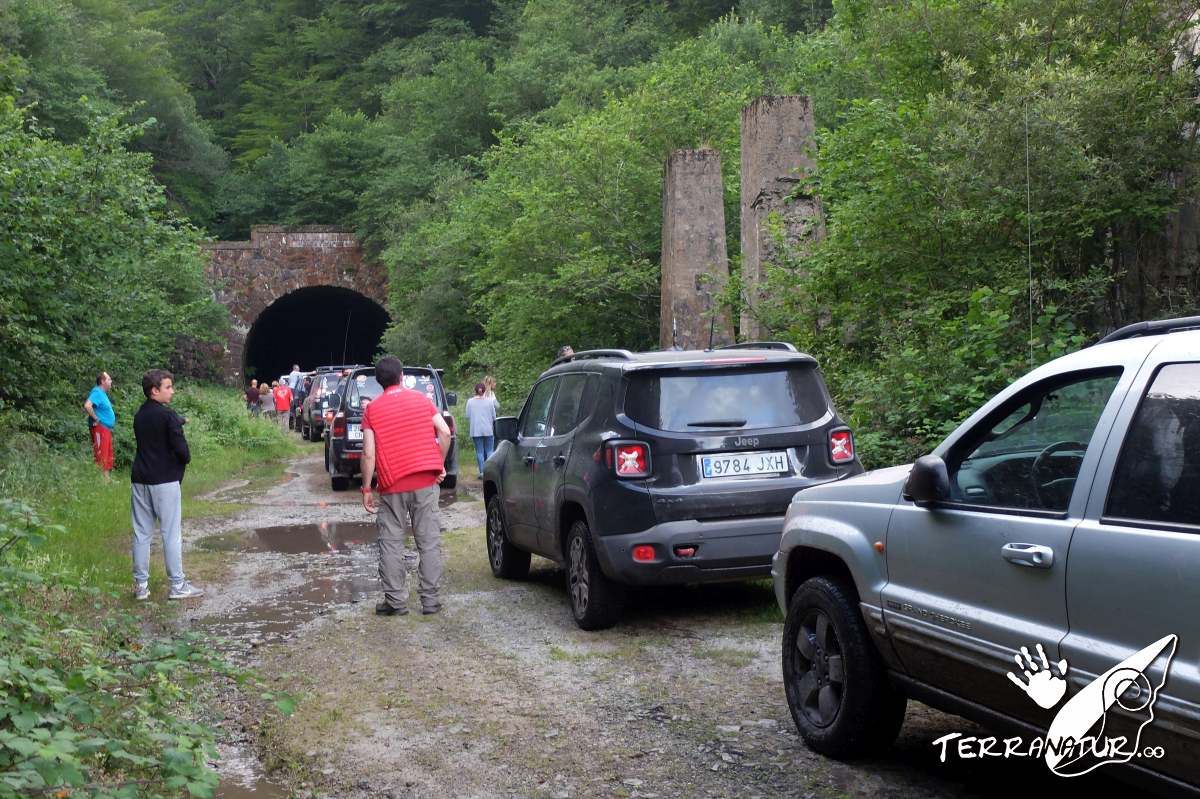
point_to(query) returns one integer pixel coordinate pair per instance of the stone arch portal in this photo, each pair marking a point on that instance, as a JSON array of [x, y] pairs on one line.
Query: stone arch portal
[[296, 295], [311, 327]]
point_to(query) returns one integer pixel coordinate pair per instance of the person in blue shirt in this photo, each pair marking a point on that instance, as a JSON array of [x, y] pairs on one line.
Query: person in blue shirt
[[102, 419]]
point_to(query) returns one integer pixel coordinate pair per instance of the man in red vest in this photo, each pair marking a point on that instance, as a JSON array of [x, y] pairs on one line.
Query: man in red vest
[[282, 396], [405, 440]]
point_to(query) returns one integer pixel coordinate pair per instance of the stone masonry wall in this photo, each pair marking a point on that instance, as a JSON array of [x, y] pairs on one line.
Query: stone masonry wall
[[695, 263], [778, 153], [250, 275]]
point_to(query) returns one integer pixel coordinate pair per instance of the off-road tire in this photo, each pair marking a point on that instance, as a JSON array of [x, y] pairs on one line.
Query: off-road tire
[[339, 482], [506, 560], [450, 481], [839, 667], [596, 601]]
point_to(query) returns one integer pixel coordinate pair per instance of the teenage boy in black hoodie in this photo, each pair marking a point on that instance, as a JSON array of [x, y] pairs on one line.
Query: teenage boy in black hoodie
[[162, 455]]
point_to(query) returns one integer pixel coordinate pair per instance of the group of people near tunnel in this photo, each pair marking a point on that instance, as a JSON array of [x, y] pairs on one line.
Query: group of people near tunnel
[[274, 400]]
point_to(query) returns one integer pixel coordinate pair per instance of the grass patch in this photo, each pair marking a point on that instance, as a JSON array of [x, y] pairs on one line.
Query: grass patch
[[67, 489], [726, 656]]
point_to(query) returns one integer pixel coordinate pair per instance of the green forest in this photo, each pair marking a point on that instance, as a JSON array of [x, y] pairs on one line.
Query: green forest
[[1002, 182], [998, 177]]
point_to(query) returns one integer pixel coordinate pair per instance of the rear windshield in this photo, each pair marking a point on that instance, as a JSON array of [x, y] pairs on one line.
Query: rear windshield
[[422, 380], [683, 401], [328, 383], [362, 389]]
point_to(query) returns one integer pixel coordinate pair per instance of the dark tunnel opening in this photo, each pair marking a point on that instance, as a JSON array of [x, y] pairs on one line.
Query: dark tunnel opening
[[313, 327]]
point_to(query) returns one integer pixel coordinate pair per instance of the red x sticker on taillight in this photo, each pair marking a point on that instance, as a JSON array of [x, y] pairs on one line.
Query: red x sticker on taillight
[[841, 446]]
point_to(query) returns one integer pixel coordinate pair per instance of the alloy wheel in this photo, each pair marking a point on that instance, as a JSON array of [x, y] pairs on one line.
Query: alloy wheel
[[819, 675], [578, 575], [495, 536]]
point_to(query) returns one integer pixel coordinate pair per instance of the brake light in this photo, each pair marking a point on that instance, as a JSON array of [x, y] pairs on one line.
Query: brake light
[[643, 553], [629, 460], [841, 446], [449, 421], [339, 425]]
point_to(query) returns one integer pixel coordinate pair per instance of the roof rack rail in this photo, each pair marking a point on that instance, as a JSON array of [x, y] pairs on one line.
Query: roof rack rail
[[1156, 328], [759, 345], [624, 355]]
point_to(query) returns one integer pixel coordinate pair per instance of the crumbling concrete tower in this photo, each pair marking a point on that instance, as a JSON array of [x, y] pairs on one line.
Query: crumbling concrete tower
[[778, 155], [695, 263]]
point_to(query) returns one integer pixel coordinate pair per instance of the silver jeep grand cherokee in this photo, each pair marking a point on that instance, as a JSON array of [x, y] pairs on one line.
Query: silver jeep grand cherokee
[[1049, 544]]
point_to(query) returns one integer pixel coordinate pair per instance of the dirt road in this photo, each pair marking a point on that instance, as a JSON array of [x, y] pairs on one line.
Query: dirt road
[[501, 695]]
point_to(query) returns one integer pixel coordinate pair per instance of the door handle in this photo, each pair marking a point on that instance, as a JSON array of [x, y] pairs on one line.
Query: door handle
[[528, 460], [560, 459], [1032, 555]]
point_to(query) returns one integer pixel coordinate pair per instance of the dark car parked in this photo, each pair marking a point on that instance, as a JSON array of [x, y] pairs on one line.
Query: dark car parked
[[314, 409], [343, 441], [659, 467]]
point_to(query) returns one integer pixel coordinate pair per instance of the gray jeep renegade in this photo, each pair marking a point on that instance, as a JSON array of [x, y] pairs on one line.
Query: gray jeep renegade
[[1054, 536]]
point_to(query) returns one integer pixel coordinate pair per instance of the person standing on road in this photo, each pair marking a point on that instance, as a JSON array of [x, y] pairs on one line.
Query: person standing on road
[[102, 419], [489, 383], [293, 378], [162, 456], [252, 398], [282, 396], [267, 398], [407, 438], [481, 416]]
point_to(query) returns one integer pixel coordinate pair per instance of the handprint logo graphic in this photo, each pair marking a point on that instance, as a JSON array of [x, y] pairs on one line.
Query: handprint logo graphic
[[1075, 742], [1041, 683]]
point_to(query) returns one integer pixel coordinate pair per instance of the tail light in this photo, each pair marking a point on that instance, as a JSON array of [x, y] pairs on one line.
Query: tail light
[[339, 425], [643, 553], [629, 460], [841, 446], [449, 421]]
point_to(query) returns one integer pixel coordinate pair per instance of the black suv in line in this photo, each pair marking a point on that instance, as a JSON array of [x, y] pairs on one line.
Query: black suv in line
[[343, 441], [659, 467], [311, 423]]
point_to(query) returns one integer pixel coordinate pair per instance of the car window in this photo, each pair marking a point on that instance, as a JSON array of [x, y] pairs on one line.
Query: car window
[[1030, 458], [1157, 477], [568, 403], [362, 389], [328, 384], [421, 380], [687, 401], [536, 416]]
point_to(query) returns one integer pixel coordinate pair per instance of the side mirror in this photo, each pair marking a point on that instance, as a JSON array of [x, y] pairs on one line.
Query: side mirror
[[451, 398], [928, 482], [506, 428]]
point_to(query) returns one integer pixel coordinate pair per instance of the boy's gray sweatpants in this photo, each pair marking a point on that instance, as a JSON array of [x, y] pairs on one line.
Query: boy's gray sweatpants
[[162, 503]]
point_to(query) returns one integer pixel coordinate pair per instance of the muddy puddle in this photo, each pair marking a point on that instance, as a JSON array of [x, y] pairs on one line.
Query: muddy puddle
[[280, 579]]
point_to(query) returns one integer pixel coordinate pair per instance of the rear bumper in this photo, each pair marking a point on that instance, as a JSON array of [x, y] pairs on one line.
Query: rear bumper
[[730, 549]]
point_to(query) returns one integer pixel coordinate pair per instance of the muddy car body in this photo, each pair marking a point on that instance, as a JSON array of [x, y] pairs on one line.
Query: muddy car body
[[1063, 514], [659, 468]]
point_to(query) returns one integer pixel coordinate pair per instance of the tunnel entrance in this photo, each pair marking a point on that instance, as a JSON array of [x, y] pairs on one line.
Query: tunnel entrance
[[312, 327]]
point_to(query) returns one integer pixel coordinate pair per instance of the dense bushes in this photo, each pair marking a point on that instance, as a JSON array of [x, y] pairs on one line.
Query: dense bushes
[[90, 707], [97, 273]]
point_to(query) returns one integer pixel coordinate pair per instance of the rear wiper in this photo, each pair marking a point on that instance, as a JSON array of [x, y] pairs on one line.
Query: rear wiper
[[719, 423]]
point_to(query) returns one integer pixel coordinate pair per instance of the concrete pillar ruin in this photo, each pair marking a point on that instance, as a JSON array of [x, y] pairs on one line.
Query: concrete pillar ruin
[[778, 155], [695, 262]]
